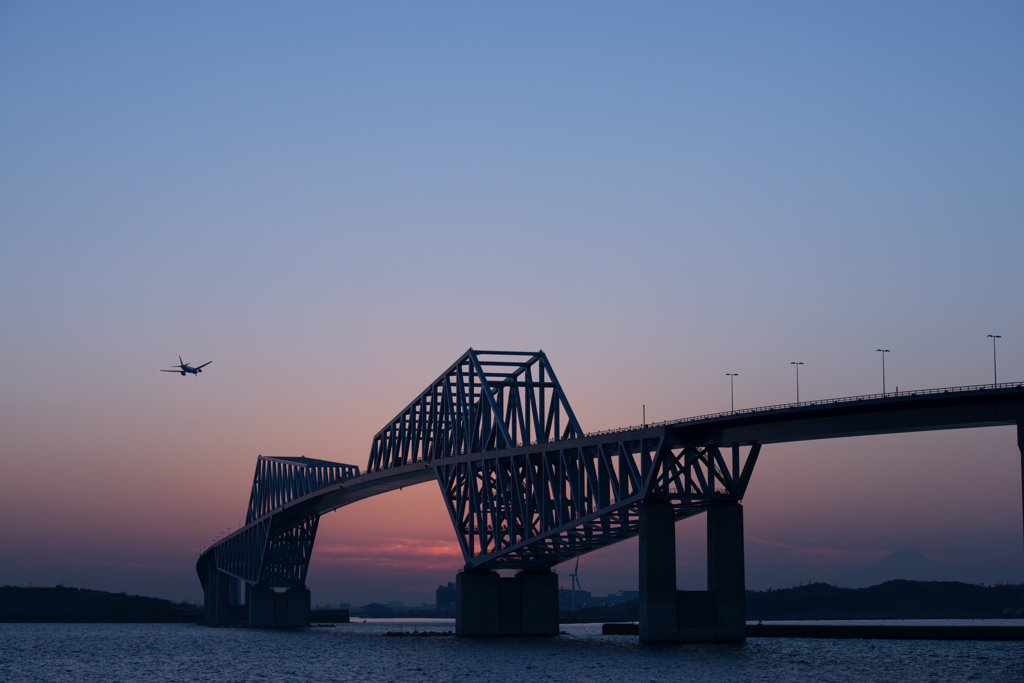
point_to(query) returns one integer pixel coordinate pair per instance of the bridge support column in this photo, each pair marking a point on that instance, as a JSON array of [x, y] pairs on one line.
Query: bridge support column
[[726, 571], [657, 571], [489, 605], [216, 611], [477, 603], [716, 614], [298, 605], [1020, 447], [538, 602], [268, 609], [260, 603]]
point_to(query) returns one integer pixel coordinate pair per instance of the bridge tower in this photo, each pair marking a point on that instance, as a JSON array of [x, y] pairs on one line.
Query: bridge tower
[[526, 490], [273, 548], [467, 425]]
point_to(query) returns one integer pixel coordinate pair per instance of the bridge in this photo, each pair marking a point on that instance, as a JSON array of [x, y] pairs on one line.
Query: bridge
[[526, 488]]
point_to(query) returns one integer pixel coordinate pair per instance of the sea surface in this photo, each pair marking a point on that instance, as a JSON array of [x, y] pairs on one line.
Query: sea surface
[[361, 653]]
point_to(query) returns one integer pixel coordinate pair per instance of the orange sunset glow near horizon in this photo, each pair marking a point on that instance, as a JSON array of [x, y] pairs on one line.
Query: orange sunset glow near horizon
[[333, 205]]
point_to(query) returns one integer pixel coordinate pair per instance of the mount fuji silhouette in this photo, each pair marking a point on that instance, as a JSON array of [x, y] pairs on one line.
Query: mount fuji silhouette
[[914, 566]]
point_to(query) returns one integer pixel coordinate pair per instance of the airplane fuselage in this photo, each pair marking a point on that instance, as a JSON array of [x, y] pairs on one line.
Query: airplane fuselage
[[184, 368]]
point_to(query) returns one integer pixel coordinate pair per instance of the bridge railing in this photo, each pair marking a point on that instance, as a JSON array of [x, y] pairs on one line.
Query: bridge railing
[[822, 402]]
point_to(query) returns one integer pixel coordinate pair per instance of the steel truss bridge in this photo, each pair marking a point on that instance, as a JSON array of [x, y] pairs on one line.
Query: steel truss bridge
[[527, 488]]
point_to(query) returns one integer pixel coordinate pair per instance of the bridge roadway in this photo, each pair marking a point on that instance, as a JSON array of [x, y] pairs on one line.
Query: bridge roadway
[[529, 506]]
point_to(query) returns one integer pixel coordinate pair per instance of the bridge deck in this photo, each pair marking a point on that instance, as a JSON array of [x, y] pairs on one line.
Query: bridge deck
[[936, 409], [963, 407]]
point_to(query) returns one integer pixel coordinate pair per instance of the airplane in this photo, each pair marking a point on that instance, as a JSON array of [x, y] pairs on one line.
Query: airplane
[[184, 367]]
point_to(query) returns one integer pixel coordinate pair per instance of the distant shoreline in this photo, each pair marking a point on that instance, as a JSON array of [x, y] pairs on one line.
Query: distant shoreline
[[99, 619], [60, 605], [813, 602]]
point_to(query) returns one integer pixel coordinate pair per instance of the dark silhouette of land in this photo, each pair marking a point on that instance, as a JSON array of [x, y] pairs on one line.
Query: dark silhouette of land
[[891, 600], [79, 605], [872, 631]]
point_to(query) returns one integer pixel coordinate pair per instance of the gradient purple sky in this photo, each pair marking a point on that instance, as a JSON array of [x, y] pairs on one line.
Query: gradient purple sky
[[333, 202]]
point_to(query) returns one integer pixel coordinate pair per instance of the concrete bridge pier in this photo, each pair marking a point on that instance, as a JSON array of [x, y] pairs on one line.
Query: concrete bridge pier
[[487, 604], [216, 597], [715, 614], [269, 609], [1020, 447]]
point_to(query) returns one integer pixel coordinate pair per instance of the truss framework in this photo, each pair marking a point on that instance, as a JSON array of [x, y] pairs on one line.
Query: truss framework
[[486, 401], [514, 504], [286, 560], [278, 481], [542, 506], [273, 549], [241, 555]]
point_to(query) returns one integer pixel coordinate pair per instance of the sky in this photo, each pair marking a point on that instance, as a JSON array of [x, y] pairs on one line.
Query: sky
[[333, 201]]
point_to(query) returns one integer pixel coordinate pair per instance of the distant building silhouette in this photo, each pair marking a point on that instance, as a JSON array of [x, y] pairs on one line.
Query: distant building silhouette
[[375, 609], [567, 597], [445, 597], [616, 598]]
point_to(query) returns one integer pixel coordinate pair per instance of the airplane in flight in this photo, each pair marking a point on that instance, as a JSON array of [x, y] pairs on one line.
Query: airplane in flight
[[184, 367]]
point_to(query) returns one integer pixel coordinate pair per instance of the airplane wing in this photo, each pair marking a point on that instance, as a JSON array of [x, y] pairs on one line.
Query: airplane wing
[[204, 365], [172, 370]]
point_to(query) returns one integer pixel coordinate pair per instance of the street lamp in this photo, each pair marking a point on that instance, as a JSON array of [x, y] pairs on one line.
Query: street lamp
[[995, 377], [732, 396], [883, 352], [797, 364]]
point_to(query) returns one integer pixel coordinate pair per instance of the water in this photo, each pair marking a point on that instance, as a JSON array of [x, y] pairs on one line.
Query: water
[[360, 653]]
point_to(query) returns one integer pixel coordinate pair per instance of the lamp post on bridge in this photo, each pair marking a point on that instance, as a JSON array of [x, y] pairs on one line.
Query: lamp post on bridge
[[797, 364], [995, 376], [883, 352], [732, 395]]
